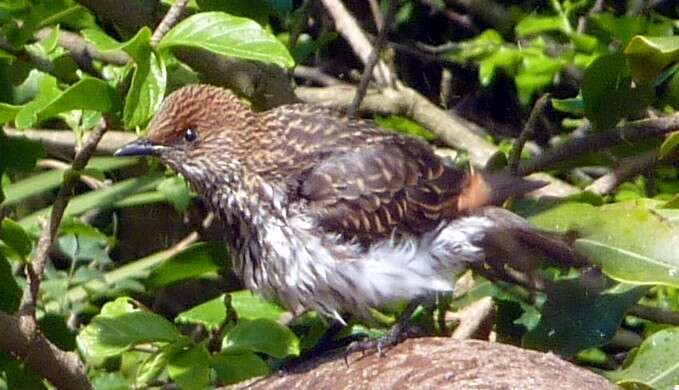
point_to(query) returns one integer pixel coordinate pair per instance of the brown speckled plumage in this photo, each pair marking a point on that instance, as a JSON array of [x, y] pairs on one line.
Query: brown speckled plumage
[[325, 211]]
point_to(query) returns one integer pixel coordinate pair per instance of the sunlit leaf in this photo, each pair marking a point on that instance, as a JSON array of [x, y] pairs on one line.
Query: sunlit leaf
[[654, 364], [120, 326], [190, 368], [210, 314], [251, 306], [228, 35], [648, 56], [261, 335], [236, 367], [202, 259]]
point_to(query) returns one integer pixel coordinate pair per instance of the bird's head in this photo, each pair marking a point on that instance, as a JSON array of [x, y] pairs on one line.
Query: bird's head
[[195, 122]]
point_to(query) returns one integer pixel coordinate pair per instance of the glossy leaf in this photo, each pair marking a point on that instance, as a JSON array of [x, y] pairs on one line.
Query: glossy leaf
[[236, 367], [102, 198], [198, 260], [120, 326], [210, 314], [190, 368], [87, 94], [261, 335], [535, 24], [228, 35], [41, 182], [648, 56], [608, 93], [575, 318], [12, 234], [670, 144], [654, 364], [251, 306], [176, 191], [617, 238]]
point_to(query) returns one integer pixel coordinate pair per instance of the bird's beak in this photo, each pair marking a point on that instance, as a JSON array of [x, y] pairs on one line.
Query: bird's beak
[[140, 147]]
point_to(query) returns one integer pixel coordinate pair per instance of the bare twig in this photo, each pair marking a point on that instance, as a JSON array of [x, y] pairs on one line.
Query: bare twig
[[82, 51], [316, 75], [527, 133], [377, 15], [627, 169], [171, 18], [631, 132], [56, 164], [374, 57], [347, 26]]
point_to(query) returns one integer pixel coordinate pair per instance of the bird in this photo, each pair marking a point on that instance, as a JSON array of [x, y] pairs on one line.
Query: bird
[[332, 213]]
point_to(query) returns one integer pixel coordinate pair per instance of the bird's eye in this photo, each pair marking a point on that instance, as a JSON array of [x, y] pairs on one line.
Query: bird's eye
[[190, 135]]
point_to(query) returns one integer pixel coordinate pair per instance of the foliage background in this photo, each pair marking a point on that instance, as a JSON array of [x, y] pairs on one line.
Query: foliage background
[[138, 284]]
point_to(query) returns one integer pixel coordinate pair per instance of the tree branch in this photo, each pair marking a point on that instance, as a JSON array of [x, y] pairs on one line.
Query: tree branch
[[527, 133], [62, 369], [627, 169], [173, 15], [631, 132]]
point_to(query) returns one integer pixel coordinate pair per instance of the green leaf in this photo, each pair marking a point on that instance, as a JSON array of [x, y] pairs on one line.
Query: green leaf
[[237, 367], [36, 184], [17, 375], [617, 238], [575, 318], [86, 94], [573, 106], [210, 314], [190, 368], [12, 234], [535, 24], [8, 112], [261, 335], [110, 381], [102, 198], [198, 260], [176, 191], [57, 331], [153, 366], [81, 242], [608, 92], [228, 35], [9, 289], [120, 326], [251, 306], [669, 145], [149, 80], [20, 154], [654, 364], [648, 56], [146, 92]]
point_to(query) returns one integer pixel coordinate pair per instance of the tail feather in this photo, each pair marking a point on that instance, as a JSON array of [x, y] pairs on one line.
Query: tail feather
[[485, 189]]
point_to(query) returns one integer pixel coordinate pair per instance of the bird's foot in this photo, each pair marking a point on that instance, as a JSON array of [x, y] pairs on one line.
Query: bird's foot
[[398, 333]]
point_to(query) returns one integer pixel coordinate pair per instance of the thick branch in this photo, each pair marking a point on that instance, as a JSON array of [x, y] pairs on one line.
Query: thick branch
[[62, 369], [631, 132]]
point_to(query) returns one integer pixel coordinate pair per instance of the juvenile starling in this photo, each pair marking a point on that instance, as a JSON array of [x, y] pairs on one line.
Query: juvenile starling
[[327, 212]]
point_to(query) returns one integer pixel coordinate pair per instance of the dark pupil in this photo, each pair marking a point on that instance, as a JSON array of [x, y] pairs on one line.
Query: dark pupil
[[190, 135]]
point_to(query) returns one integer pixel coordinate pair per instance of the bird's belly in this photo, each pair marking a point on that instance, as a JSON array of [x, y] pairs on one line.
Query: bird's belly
[[307, 269]]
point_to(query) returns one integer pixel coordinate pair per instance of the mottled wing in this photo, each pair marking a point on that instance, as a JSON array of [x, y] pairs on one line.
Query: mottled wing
[[374, 189]]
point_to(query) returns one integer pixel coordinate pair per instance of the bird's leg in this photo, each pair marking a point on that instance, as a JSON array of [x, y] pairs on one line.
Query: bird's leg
[[399, 332]]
